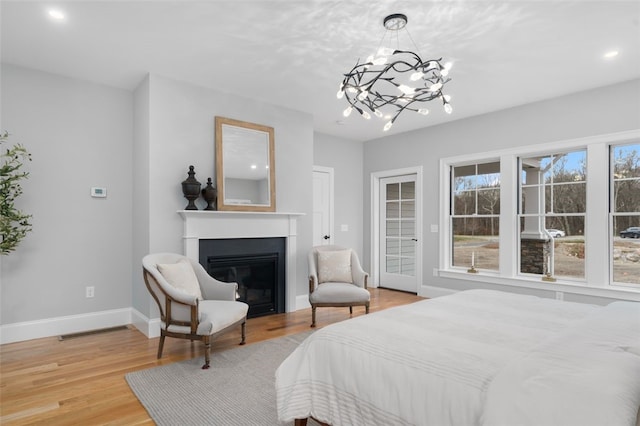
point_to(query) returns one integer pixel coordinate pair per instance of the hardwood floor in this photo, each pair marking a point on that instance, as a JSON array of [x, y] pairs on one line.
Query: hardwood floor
[[80, 380]]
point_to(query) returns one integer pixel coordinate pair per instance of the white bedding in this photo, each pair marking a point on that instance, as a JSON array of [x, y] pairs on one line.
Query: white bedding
[[450, 361]]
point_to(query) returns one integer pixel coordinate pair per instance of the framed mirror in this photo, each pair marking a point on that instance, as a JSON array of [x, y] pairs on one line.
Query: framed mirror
[[245, 166]]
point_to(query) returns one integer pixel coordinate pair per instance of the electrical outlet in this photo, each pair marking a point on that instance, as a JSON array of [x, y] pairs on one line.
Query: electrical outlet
[[89, 292]]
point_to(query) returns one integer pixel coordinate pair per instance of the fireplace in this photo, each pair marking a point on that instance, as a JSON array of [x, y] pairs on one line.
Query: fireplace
[[256, 264], [215, 225]]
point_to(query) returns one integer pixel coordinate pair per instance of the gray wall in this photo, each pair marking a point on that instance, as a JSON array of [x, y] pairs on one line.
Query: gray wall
[[80, 135], [610, 109], [345, 157]]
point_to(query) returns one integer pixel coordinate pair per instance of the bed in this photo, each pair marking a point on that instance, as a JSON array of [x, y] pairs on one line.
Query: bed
[[477, 357]]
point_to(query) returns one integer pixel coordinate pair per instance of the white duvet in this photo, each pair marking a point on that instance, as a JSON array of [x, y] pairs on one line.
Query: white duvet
[[473, 358]]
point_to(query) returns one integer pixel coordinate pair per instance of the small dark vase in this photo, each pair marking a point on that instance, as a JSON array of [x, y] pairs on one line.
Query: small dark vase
[[210, 195], [191, 189]]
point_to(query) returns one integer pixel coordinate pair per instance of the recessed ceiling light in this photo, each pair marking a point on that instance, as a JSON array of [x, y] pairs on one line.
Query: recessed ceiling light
[[56, 15], [611, 54]]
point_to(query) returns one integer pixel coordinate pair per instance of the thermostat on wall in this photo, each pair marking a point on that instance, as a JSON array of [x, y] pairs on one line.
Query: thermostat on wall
[[98, 192]]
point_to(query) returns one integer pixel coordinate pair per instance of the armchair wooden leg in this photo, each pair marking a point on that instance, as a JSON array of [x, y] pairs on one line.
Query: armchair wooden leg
[[244, 333], [350, 310], [207, 352], [366, 308], [313, 316], [161, 345]]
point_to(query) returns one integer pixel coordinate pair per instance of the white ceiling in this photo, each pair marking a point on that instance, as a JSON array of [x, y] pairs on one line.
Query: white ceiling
[[293, 53]]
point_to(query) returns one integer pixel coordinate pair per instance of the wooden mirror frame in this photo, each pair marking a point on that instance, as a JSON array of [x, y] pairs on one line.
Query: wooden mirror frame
[[220, 146]]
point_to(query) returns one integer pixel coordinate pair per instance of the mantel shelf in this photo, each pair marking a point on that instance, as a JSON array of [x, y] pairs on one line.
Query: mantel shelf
[[195, 213]]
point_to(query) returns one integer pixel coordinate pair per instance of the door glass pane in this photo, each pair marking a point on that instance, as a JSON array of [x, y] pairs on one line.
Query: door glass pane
[[408, 209], [393, 191], [393, 265], [408, 190], [393, 209], [407, 266], [408, 229], [393, 228], [393, 247]]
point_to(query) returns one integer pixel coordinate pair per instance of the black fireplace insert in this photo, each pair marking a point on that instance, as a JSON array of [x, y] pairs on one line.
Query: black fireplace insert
[[256, 264]]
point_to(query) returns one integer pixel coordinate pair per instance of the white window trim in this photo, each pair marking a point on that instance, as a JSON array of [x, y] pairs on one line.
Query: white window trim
[[597, 271]]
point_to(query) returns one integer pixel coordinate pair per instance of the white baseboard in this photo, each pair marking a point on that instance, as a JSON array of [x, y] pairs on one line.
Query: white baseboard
[[430, 291], [21, 331], [148, 327], [302, 302]]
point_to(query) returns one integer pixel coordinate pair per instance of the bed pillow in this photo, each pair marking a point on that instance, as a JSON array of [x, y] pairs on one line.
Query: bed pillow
[[182, 276], [334, 266]]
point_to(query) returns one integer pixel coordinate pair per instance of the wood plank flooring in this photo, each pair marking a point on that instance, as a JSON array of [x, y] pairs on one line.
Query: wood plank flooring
[[80, 381]]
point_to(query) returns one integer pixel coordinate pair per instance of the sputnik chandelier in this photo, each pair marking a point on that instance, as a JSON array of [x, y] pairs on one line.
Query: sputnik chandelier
[[394, 81]]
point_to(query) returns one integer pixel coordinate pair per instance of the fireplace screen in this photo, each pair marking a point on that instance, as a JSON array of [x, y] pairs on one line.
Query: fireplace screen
[[256, 276]]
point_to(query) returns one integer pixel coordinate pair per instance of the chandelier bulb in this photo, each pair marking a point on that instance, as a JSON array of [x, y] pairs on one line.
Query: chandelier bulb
[[352, 90], [388, 125], [447, 98], [416, 76], [385, 51], [340, 94], [381, 60], [406, 89], [347, 112], [366, 115], [377, 113], [362, 96], [423, 111], [435, 87], [447, 108], [448, 65], [444, 72]]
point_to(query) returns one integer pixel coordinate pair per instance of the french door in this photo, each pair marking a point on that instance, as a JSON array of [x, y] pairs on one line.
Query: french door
[[398, 238]]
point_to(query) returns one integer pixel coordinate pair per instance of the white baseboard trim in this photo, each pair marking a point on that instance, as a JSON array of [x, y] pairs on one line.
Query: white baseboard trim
[[148, 327], [302, 302], [431, 292], [21, 331]]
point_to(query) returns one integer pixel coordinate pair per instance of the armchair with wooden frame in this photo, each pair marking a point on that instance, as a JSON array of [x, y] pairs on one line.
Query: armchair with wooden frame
[[193, 305], [336, 279]]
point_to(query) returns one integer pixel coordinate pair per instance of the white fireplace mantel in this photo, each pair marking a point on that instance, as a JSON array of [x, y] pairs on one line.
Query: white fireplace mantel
[[208, 224]]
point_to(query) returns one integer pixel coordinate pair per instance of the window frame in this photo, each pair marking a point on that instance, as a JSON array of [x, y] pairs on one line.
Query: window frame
[[613, 213], [598, 257]]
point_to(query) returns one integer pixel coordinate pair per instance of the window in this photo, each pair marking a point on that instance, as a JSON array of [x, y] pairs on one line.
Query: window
[[546, 216], [625, 213], [552, 214], [475, 213]]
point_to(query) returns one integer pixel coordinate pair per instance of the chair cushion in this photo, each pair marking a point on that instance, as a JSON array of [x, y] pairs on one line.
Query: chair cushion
[[334, 266], [216, 315], [339, 293], [182, 276]]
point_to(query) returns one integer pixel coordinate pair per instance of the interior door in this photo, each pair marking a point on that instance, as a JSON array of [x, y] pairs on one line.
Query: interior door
[[322, 205], [398, 240]]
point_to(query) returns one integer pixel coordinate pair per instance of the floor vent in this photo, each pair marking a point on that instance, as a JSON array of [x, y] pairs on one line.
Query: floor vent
[[91, 332]]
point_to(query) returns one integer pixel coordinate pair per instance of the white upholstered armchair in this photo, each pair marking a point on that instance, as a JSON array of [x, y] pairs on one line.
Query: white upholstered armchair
[[336, 279], [192, 304]]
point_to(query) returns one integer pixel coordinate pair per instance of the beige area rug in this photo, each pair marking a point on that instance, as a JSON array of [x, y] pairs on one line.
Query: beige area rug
[[238, 388]]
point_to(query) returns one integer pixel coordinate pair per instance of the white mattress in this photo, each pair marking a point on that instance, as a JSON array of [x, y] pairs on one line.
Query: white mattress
[[451, 361]]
